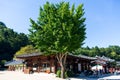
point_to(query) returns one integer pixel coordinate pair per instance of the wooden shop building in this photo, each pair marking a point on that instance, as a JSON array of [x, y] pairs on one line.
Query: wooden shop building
[[38, 62]]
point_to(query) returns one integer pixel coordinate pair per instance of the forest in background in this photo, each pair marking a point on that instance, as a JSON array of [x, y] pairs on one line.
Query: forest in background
[[10, 42], [112, 51]]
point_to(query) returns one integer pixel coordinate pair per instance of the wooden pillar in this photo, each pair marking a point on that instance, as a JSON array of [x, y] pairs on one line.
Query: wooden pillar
[[54, 65], [23, 67], [9, 69], [39, 62], [51, 64]]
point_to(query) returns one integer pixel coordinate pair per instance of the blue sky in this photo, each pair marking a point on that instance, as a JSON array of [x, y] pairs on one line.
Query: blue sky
[[102, 18]]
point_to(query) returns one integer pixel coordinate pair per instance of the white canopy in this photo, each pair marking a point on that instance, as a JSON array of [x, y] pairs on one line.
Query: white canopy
[[97, 67]]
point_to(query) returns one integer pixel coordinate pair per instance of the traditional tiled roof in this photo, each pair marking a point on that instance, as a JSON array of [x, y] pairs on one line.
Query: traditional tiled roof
[[29, 55], [83, 56], [86, 57], [98, 61], [105, 58], [13, 62], [38, 54]]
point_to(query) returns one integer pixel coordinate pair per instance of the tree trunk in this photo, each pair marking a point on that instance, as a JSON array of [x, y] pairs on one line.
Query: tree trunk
[[62, 72], [62, 61]]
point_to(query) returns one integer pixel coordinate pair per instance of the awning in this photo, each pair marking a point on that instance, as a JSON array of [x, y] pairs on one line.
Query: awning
[[14, 62]]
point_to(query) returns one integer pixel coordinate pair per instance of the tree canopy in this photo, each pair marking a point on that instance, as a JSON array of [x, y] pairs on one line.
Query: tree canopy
[[59, 28]]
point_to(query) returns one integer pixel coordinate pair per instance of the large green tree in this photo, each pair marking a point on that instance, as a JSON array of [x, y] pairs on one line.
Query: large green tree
[[60, 29]]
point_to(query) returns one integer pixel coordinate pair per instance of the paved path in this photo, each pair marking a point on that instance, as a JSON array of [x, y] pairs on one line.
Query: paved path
[[112, 77], [17, 75], [100, 77]]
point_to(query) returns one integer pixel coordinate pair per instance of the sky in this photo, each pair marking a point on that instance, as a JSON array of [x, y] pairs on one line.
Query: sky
[[102, 18]]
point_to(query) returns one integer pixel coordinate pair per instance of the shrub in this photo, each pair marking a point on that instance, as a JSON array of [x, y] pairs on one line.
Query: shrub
[[67, 74], [58, 73]]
